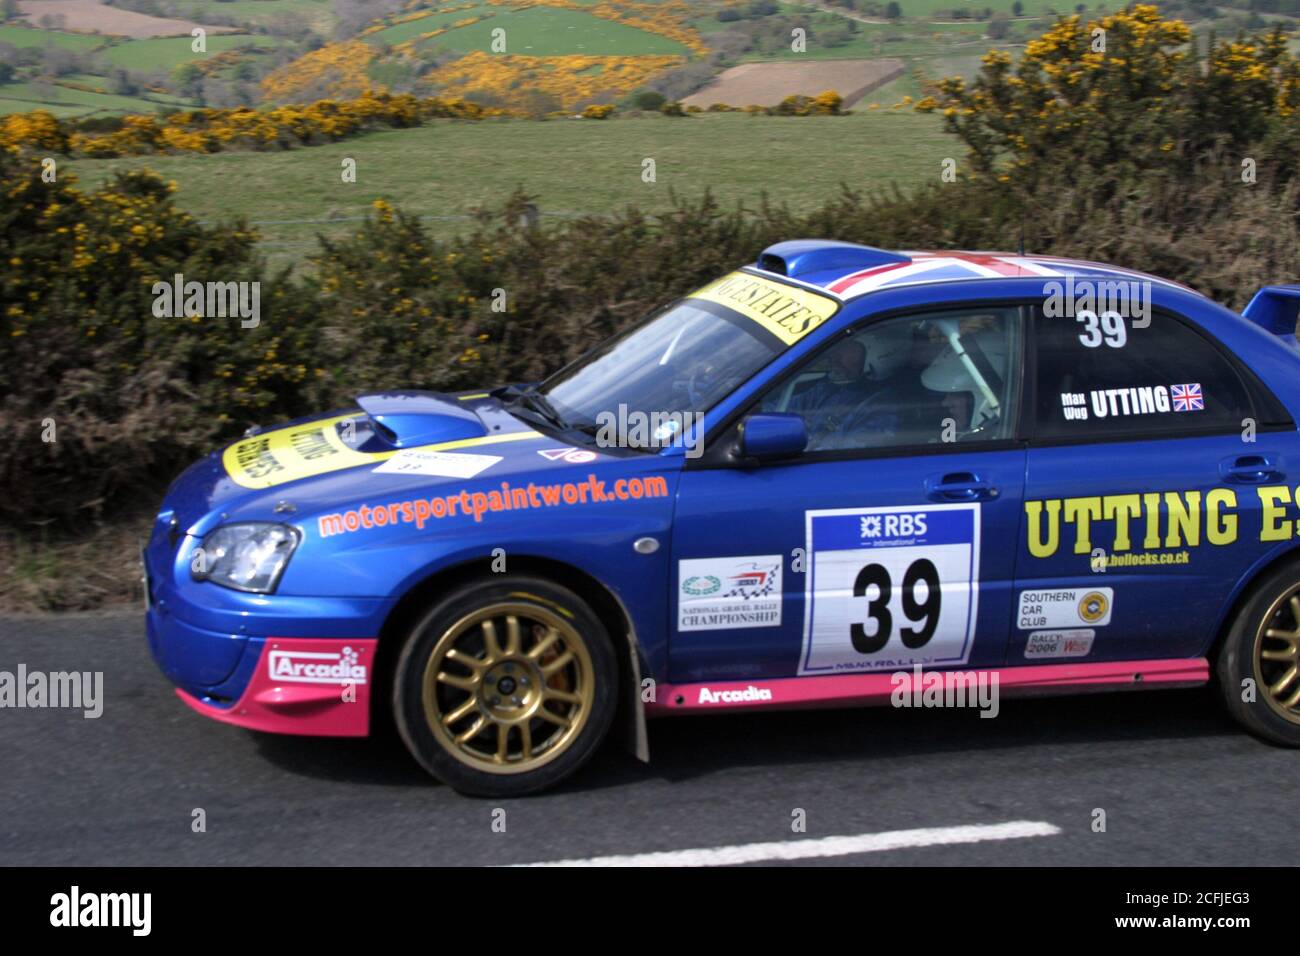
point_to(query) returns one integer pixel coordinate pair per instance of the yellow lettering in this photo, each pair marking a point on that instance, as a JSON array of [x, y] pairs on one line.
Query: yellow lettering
[[1034, 525], [1184, 519], [1271, 529], [1220, 529], [1082, 512], [1151, 503], [1121, 508]]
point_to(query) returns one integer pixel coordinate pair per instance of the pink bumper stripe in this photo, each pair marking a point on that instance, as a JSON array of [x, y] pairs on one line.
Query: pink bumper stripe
[[841, 690], [318, 688]]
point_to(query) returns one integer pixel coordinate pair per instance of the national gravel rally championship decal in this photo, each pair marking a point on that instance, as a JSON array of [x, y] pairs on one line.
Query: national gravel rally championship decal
[[890, 587], [719, 593]]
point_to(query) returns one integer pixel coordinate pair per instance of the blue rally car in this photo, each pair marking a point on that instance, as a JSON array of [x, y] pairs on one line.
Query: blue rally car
[[812, 476]]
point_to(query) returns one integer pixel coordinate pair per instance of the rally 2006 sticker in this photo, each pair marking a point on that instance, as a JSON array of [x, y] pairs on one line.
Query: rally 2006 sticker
[[1073, 642], [718, 593], [890, 587]]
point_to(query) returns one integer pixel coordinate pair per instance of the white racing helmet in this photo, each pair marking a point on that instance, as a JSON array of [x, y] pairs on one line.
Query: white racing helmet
[[967, 365], [887, 347]]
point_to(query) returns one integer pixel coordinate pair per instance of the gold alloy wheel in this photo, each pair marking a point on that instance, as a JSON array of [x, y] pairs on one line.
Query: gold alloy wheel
[[1277, 656], [508, 688]]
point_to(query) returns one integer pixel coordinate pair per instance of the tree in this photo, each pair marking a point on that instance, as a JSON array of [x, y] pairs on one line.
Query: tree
[[1017, 8], [188, 80], [999, 26], [893, 11]]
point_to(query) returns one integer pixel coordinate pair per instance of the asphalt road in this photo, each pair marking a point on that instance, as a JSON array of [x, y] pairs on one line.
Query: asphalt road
[[1178, 783]]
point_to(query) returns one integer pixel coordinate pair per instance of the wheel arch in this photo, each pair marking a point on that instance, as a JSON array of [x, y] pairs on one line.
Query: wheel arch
[[1245, 588], [630, 720]]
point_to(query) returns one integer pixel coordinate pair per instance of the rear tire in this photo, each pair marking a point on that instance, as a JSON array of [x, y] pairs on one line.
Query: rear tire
[[505, 687], [1263, 647]]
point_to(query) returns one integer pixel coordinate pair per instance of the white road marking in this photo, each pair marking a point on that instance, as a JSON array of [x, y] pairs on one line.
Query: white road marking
[[826, 846]]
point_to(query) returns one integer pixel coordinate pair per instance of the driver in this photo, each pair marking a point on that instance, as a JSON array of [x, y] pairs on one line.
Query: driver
[[839, 407]]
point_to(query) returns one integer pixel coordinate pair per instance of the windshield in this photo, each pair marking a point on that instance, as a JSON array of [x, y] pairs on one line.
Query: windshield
[[677, 364]]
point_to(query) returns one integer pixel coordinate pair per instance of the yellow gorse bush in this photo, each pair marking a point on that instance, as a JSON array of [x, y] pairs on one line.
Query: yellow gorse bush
[[212, 130], [1107, 86], [570, 79], [338, 69]]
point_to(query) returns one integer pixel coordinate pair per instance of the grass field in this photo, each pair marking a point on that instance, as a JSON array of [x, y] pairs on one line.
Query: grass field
[[534, 31], [64, 102], [28, 37], [401, 32], [443, 171], [166, 53], [938, 9], [316, 13]]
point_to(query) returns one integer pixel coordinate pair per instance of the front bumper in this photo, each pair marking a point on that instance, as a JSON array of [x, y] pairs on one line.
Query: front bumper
[[282, 664], [284, 695]]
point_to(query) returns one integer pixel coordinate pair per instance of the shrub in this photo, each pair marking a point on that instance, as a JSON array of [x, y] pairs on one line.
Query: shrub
[[649, 100], [130, 396]]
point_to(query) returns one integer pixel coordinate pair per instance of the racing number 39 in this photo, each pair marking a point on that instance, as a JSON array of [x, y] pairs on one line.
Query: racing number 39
[[890, 587], [926, 612]]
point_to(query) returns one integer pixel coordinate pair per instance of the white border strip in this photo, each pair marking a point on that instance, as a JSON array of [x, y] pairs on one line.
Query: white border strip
[[824, 847]]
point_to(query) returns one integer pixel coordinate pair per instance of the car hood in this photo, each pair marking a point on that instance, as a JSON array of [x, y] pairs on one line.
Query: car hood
[[416, 439]]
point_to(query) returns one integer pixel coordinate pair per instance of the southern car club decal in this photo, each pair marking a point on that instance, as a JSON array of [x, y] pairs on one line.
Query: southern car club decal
[[888, 588], [1128, 402], [1064, 608], [718, 593]]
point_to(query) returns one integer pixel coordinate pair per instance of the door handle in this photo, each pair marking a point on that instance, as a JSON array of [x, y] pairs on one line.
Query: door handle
[[959, 486], [1251, 469]]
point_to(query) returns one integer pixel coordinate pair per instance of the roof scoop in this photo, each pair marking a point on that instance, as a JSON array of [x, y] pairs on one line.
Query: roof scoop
[[410, 418], [802, 257]]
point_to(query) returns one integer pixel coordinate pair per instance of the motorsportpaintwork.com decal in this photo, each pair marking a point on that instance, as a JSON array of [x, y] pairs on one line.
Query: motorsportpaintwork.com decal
[[476, 504], [714, 594], [788, 312], [314, 448], [890, 587]]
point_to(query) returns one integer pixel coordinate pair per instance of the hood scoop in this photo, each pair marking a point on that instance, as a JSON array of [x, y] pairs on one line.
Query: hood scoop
[[410, 418]]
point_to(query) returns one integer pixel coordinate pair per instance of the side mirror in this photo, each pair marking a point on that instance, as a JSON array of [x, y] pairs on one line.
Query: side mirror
[[771, 435]]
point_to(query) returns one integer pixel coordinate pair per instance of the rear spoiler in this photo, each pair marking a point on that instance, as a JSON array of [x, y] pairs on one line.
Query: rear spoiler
[[1275, 309]]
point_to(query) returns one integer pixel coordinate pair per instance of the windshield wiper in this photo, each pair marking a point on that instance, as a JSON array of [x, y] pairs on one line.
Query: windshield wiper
[[537, 403]]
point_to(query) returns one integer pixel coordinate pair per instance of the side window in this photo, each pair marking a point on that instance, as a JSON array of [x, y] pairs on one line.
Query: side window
[[939, 377], [1105, 377]]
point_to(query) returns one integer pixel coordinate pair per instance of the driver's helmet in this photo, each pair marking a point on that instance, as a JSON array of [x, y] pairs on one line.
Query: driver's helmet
[[987, 349], [887, 349]]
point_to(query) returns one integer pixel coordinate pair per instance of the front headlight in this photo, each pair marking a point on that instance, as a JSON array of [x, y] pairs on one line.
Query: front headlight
[[247, 557]]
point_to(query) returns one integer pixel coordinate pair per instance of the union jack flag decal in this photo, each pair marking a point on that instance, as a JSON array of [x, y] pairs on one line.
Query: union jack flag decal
[[1187, 398]]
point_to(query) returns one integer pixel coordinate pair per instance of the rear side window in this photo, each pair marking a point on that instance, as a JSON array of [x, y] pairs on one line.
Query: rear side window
[[1109, 376]]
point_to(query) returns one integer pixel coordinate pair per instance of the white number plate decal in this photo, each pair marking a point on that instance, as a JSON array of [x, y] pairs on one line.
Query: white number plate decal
[[890, 587]]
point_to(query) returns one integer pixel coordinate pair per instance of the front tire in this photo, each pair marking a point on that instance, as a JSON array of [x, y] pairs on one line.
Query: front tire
[[1263, 647], [505, 687]]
